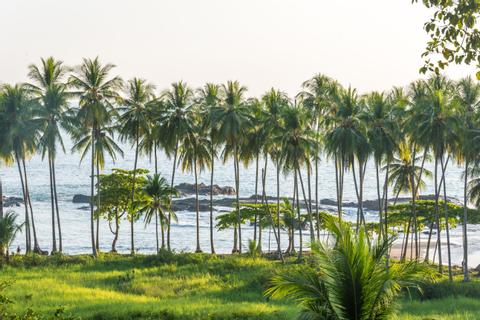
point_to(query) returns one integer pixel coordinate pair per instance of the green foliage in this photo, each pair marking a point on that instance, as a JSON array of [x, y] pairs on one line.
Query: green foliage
[[8, 229], [116, 191], [349, 281], [445, 289], [399, 215], [454, 37]]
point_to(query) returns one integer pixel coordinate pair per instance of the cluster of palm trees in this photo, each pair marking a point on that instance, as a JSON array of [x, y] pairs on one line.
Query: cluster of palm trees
[[434, 119]]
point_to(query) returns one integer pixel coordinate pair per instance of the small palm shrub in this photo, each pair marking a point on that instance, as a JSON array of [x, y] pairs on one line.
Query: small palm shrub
[[349, 281], [8, 230]]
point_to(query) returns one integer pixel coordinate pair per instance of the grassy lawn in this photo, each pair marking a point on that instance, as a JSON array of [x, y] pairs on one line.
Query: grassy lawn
[[183, 286]]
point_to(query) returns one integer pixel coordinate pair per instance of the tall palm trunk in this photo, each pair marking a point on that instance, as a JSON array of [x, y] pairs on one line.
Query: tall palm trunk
[[155, 156], [437, 217], [447, 228], [60, 239], [299, 217], [132, 220], [28, 236], [237, 187], [415, 189], [54, 240], [92, 185], [310, 218], [337, 185], [385, 201], [309, 188], [269, 214], [279, 248], [466, 276], [1, 198], [97, 242], [156, 230], [212, 151], [255, 219], [316, 183], [197, 207], [171, 185], [380, 206], [36, 246]]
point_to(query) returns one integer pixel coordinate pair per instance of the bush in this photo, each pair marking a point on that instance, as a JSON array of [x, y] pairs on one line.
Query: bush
[[447, 288]]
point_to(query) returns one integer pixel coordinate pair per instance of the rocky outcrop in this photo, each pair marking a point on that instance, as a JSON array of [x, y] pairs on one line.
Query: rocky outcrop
[[80, 198], [203, 189], [12, 202]]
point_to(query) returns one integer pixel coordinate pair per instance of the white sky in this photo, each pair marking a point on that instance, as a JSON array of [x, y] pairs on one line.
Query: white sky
[[370, 44]]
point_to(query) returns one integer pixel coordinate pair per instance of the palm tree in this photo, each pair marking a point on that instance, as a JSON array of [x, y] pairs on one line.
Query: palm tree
[[433, 126], [156, 202], [210, 98], [135, 124], [405, 176], [20, 134], [275, 102], [50, 91], [296, 142], [233, 119], [345, 136], [8, 230], [349, 281], [97, 94], [383, 133], [195, 157], [468, 97], [174, 122], [317, 97]]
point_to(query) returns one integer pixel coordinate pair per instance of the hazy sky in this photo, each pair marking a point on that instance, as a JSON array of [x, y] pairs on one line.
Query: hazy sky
[[370, 44]]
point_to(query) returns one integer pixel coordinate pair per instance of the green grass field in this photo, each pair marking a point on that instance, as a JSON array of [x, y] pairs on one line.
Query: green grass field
[[181, 286]]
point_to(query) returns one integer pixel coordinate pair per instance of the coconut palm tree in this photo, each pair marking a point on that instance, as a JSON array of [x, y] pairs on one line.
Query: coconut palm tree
[[195, 157], [434, 124], [210, 98], [468, 97], [350, 280], [317, 96], [233, 119], [344, 137], [8, 230], [275, 102], [296, 141], [407, 177], [383, 133], [50, 90], [155, 203], [97, 93], [20, 135], [175, 120], [135, 124]]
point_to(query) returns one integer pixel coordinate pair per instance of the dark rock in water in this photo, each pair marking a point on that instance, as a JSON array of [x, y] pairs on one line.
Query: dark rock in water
[[80, 198], [12, 202], [203, 189]]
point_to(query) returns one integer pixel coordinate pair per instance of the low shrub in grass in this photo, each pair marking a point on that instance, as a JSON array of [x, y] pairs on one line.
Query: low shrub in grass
[[445, 289]]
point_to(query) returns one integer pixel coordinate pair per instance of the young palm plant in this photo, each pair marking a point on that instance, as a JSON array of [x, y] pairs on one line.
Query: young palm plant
[[349, 281], [155, 203], [8, 230]]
